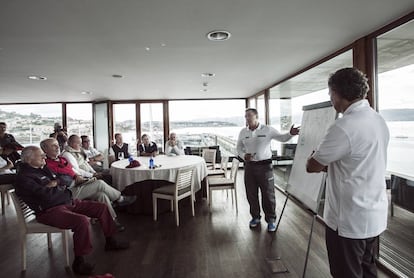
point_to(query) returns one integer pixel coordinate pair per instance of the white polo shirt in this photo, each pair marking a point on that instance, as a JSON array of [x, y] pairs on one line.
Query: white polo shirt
[[355, 151], [258, 141]]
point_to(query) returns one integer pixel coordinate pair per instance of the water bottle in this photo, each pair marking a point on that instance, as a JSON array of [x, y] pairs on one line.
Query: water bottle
[[151, 163], [130, 159]]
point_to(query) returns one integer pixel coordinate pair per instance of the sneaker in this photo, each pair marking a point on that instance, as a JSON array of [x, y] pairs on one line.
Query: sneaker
[[81, 267], [271, 227], [113, 245], [125, 200], [254, 222]]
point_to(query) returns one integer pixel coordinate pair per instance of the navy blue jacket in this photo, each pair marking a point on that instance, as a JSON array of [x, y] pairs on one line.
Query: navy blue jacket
[[31, 187]]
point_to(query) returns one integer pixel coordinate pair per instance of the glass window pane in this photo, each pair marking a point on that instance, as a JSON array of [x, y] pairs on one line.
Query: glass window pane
[[252, 102], [152, 122], [395, 67], [288, 98], [261, 109], [202, 123], [124, 122], [31, 123], [79, 119]]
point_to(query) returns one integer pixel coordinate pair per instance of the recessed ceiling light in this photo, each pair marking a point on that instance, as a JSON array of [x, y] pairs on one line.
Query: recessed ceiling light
[[35, 77], [208, 74], [147, 49], [218, 35], [86, 93], [163, 44], [117, 76]]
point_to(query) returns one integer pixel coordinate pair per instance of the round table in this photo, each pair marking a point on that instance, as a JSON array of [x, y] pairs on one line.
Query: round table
[[167, 170]]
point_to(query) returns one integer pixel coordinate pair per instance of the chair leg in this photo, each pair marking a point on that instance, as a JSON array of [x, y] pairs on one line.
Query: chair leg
[[49, 240], [172, 205], [2, 202], [208, 191], [177, 216], [154, 207], [192, 204], [211, 198], [23, 248], [235, 198], [65, 247], [8, 198]]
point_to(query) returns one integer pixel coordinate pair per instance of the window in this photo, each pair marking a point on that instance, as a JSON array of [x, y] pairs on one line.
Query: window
[[203, 123], [124, 121], [31, 123], [395, 67], [287, 98], [152, 122], [79, 119], [261, 109]]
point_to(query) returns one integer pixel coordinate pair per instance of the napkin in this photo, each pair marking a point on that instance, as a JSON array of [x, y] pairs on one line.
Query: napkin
[[133, 164]]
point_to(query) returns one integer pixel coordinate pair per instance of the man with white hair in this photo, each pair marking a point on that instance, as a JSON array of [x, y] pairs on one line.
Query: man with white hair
[[174, 146], [53, 204], [81, 187]]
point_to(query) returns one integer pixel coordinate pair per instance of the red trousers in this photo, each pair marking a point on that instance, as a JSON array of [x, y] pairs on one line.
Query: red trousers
[[76, 217]]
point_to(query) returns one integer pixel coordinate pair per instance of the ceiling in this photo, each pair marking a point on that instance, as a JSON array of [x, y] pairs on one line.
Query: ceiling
[[79, 44]]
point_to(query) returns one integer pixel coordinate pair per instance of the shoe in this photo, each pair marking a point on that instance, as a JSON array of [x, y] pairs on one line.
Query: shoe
[[81, 267], [254, 222], [125, 201], [113, 245], [271, 227], [119, 226]]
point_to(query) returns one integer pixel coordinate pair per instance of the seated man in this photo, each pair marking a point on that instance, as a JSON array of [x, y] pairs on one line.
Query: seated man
[[60, 134], [53, 204], [119, 148], [82, 188], [174, 146], [6, 175], [8, 144], [147, 147], [7, 138], [95, 157], [77, 157]]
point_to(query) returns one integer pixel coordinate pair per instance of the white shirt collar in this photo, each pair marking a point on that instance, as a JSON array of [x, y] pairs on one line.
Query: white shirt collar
[[357, 105]]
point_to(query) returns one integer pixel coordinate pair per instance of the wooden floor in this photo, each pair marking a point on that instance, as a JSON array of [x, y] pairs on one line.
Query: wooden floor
[[397, 242], [211, 244]]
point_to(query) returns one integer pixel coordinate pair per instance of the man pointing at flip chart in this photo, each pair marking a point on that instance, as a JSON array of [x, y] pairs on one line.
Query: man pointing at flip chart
[[354, 150], [253, 145]]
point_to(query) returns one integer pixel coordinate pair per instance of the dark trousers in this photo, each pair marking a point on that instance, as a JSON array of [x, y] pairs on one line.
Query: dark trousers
[[351, 258], [76, 218], [260, 176]]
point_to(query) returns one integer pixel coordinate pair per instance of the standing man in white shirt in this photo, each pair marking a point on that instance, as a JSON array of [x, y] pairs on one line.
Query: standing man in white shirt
[[253, 145], [174, 146], [354, 153]]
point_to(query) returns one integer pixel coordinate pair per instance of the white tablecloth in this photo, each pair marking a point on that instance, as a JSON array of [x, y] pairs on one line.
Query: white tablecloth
[[169, 165]]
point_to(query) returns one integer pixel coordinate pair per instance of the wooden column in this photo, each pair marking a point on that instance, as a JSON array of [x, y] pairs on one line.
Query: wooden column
[[364, 58]]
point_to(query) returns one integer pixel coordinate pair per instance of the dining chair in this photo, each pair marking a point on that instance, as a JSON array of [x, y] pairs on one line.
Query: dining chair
[[224, 183], [209, 156], [222, 171], [4, 191], [28, 225], [182, 188]]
